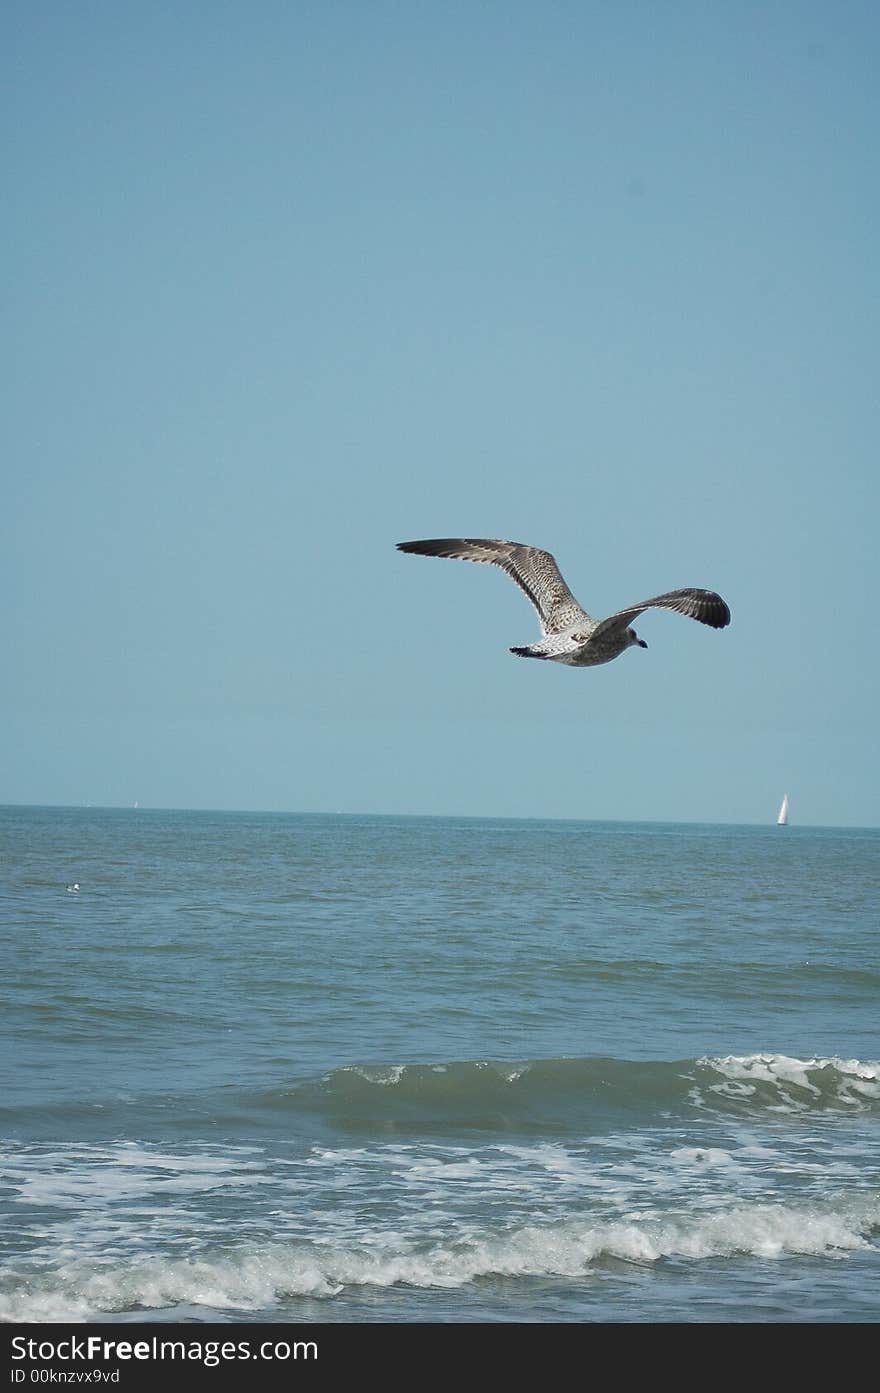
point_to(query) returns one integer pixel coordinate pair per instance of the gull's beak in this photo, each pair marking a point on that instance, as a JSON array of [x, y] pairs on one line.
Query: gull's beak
[[642, 643]]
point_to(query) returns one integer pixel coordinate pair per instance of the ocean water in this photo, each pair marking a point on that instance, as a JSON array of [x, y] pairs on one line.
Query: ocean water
[[311, 1068]]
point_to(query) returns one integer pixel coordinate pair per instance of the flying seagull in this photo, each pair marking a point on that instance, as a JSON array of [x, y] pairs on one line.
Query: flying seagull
[[568, 634]]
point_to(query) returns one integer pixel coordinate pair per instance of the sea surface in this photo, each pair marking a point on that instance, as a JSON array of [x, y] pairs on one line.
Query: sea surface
[[313, 1068]]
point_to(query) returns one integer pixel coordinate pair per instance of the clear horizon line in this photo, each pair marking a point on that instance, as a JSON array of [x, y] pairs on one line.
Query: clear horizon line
[[471, 817]]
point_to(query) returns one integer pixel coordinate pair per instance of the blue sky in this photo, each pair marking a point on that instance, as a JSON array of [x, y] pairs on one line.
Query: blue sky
[[289, 283]]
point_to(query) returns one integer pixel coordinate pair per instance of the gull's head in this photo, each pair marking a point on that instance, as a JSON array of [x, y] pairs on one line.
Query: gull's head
[[633, 639]]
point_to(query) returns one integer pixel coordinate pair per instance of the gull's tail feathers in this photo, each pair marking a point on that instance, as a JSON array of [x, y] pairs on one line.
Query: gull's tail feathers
[[530, 650]]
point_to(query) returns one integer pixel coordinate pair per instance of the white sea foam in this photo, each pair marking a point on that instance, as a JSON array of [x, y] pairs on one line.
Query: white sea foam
[[440, 1169], [795, 1081], [704, 1156], [255, 1278], [124, 1172], [512, 1072], [383, 1074], [785, 1066]]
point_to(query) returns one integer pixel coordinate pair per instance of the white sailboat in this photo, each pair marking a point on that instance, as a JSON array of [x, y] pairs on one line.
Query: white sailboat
[[783, 811]]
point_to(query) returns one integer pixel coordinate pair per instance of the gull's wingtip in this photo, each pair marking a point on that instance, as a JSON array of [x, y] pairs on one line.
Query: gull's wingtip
[[710, 609], [426, 546]]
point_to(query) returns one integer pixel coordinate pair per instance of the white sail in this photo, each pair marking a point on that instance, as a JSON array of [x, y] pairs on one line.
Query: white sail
[[783, 812]]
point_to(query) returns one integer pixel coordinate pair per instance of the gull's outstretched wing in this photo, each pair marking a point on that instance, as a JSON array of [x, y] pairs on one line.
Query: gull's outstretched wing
[[703, 605], [535, 572]]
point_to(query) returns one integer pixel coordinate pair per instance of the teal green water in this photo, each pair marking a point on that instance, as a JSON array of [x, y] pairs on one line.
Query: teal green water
[[279, 1067]]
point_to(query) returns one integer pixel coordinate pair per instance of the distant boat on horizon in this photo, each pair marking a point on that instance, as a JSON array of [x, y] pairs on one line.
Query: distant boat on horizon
[[782, 819]]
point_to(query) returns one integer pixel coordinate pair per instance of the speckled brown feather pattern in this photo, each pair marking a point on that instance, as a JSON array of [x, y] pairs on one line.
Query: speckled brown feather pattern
[[569, 634]]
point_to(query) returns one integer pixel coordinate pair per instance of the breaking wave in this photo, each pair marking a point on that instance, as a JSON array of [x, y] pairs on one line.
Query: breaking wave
[[490, 1092], [251, 1278]]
